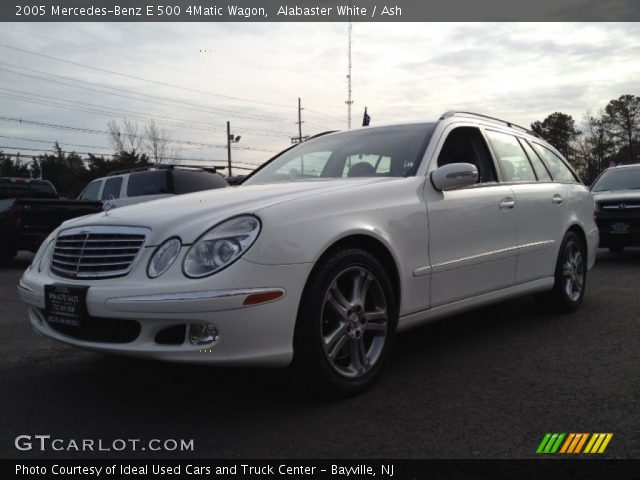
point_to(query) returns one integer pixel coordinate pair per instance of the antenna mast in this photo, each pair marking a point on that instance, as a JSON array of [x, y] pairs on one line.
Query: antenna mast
[[349, 102]]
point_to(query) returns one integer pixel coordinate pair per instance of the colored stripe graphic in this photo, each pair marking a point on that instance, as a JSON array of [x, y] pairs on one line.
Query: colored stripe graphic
[[574, 442], [550, 443], [598, 442]]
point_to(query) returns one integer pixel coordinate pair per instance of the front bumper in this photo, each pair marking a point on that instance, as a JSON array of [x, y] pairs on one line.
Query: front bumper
[[619, 228], [247, 335]]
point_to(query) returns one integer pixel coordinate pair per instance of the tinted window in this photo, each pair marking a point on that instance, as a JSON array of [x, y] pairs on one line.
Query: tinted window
[[514, 163], [538, 166], [622, 179], [403, 146], [112, 188], [187, 181], [147, 183], [91, 191], [24, 189], [559, 171], [466, 145]]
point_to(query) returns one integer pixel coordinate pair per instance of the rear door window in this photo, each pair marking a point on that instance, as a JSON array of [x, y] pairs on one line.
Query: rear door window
[[147, 183], [91, 191], [187, 181], [112, 187], [557, 167], [513, 161], [541, 171]]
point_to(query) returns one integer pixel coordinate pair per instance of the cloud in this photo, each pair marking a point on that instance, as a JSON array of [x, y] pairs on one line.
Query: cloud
[[254, 73]]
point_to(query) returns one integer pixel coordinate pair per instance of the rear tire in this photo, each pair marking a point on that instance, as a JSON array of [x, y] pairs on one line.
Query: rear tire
[[570, 276], [346, 324]]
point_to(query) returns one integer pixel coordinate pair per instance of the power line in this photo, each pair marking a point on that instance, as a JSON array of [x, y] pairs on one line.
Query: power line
[[254, 165], [103, 132], [107, 111], [134, 77], [170, 67], [174, 103]]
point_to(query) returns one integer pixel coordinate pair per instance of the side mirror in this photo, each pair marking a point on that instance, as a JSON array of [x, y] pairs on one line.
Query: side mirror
[[454, 175]]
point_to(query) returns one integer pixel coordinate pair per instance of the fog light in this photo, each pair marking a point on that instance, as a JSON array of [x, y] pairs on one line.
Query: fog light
[[202, 333]]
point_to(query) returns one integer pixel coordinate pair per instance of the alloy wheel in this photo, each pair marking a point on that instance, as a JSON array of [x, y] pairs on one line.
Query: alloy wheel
[[355, 321], [573, 271]]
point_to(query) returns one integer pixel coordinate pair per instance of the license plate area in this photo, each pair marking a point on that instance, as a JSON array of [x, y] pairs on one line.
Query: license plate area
[[620, 227], [66, 304]]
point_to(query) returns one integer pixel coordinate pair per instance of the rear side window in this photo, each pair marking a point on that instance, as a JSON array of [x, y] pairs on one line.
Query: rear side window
[[91, 191], [558, 169], [112, 188], [147, 183], [538, 166], [514, 163], [187, 181]]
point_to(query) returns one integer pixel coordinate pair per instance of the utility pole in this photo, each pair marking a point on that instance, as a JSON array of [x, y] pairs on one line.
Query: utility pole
[[349, 101], [299, 138], [229, 137], [299, 120]]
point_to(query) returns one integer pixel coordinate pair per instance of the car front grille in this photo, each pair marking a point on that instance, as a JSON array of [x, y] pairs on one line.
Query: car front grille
[[620, 206], [97, 252]]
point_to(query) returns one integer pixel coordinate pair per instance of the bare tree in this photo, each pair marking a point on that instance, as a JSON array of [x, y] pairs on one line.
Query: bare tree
[[125, 136], [155, 142]]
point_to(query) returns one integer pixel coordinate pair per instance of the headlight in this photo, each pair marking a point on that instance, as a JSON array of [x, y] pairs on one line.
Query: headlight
[[164, 257], [40, 254], [221, 246]]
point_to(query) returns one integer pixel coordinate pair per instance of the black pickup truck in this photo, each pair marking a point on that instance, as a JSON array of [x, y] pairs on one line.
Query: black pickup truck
[[30, 210]]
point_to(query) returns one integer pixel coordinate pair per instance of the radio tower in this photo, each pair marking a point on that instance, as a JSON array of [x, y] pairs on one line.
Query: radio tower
[[349, 102]]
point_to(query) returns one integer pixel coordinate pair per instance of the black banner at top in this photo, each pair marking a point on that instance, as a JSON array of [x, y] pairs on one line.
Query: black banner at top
[[317, 10]]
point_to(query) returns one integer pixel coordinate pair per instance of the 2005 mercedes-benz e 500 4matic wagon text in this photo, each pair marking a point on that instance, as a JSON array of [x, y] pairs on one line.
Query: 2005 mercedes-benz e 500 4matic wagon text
[[324, 252]]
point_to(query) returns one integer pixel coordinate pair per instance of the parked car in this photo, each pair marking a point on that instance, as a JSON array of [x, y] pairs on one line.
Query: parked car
[[30, 210], [617, 195], [150, 183], [324, 252]]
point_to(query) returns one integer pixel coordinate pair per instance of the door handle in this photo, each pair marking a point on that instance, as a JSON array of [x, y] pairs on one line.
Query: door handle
[[507, 203], [557, 199]]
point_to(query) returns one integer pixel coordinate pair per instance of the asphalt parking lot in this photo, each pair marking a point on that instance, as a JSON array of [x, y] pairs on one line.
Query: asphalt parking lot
[[487, 384]]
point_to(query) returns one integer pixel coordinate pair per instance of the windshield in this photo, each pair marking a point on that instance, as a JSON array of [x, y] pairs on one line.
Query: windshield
[[370, 152], [621, 179]]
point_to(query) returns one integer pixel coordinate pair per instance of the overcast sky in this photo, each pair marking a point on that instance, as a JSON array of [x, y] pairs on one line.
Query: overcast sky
[[252, 74]]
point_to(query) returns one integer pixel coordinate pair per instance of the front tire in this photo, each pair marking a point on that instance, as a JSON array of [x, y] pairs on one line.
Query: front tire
[[570, 276], [346, 324]]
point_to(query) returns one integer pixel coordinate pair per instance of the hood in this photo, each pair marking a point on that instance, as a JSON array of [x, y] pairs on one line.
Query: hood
[[616, 195], [189, 216]]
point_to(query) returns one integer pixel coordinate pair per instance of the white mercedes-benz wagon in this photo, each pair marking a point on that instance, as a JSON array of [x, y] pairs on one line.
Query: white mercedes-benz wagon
[[324, 252]]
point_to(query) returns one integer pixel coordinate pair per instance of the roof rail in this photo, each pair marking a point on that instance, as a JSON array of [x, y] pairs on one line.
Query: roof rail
[[453, 113], [162, 167]]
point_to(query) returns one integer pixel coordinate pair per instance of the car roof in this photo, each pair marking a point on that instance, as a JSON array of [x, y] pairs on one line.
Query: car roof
[[620, 167]]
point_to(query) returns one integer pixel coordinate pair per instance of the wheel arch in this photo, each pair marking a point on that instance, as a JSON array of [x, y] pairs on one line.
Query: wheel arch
[[372, 245], [578, 230]]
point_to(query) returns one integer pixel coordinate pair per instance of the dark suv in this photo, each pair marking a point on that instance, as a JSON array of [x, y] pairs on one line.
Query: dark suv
[[617, 195]]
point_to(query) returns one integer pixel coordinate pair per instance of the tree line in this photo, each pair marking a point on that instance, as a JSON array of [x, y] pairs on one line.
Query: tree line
[[609, 137], [134, 145]]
